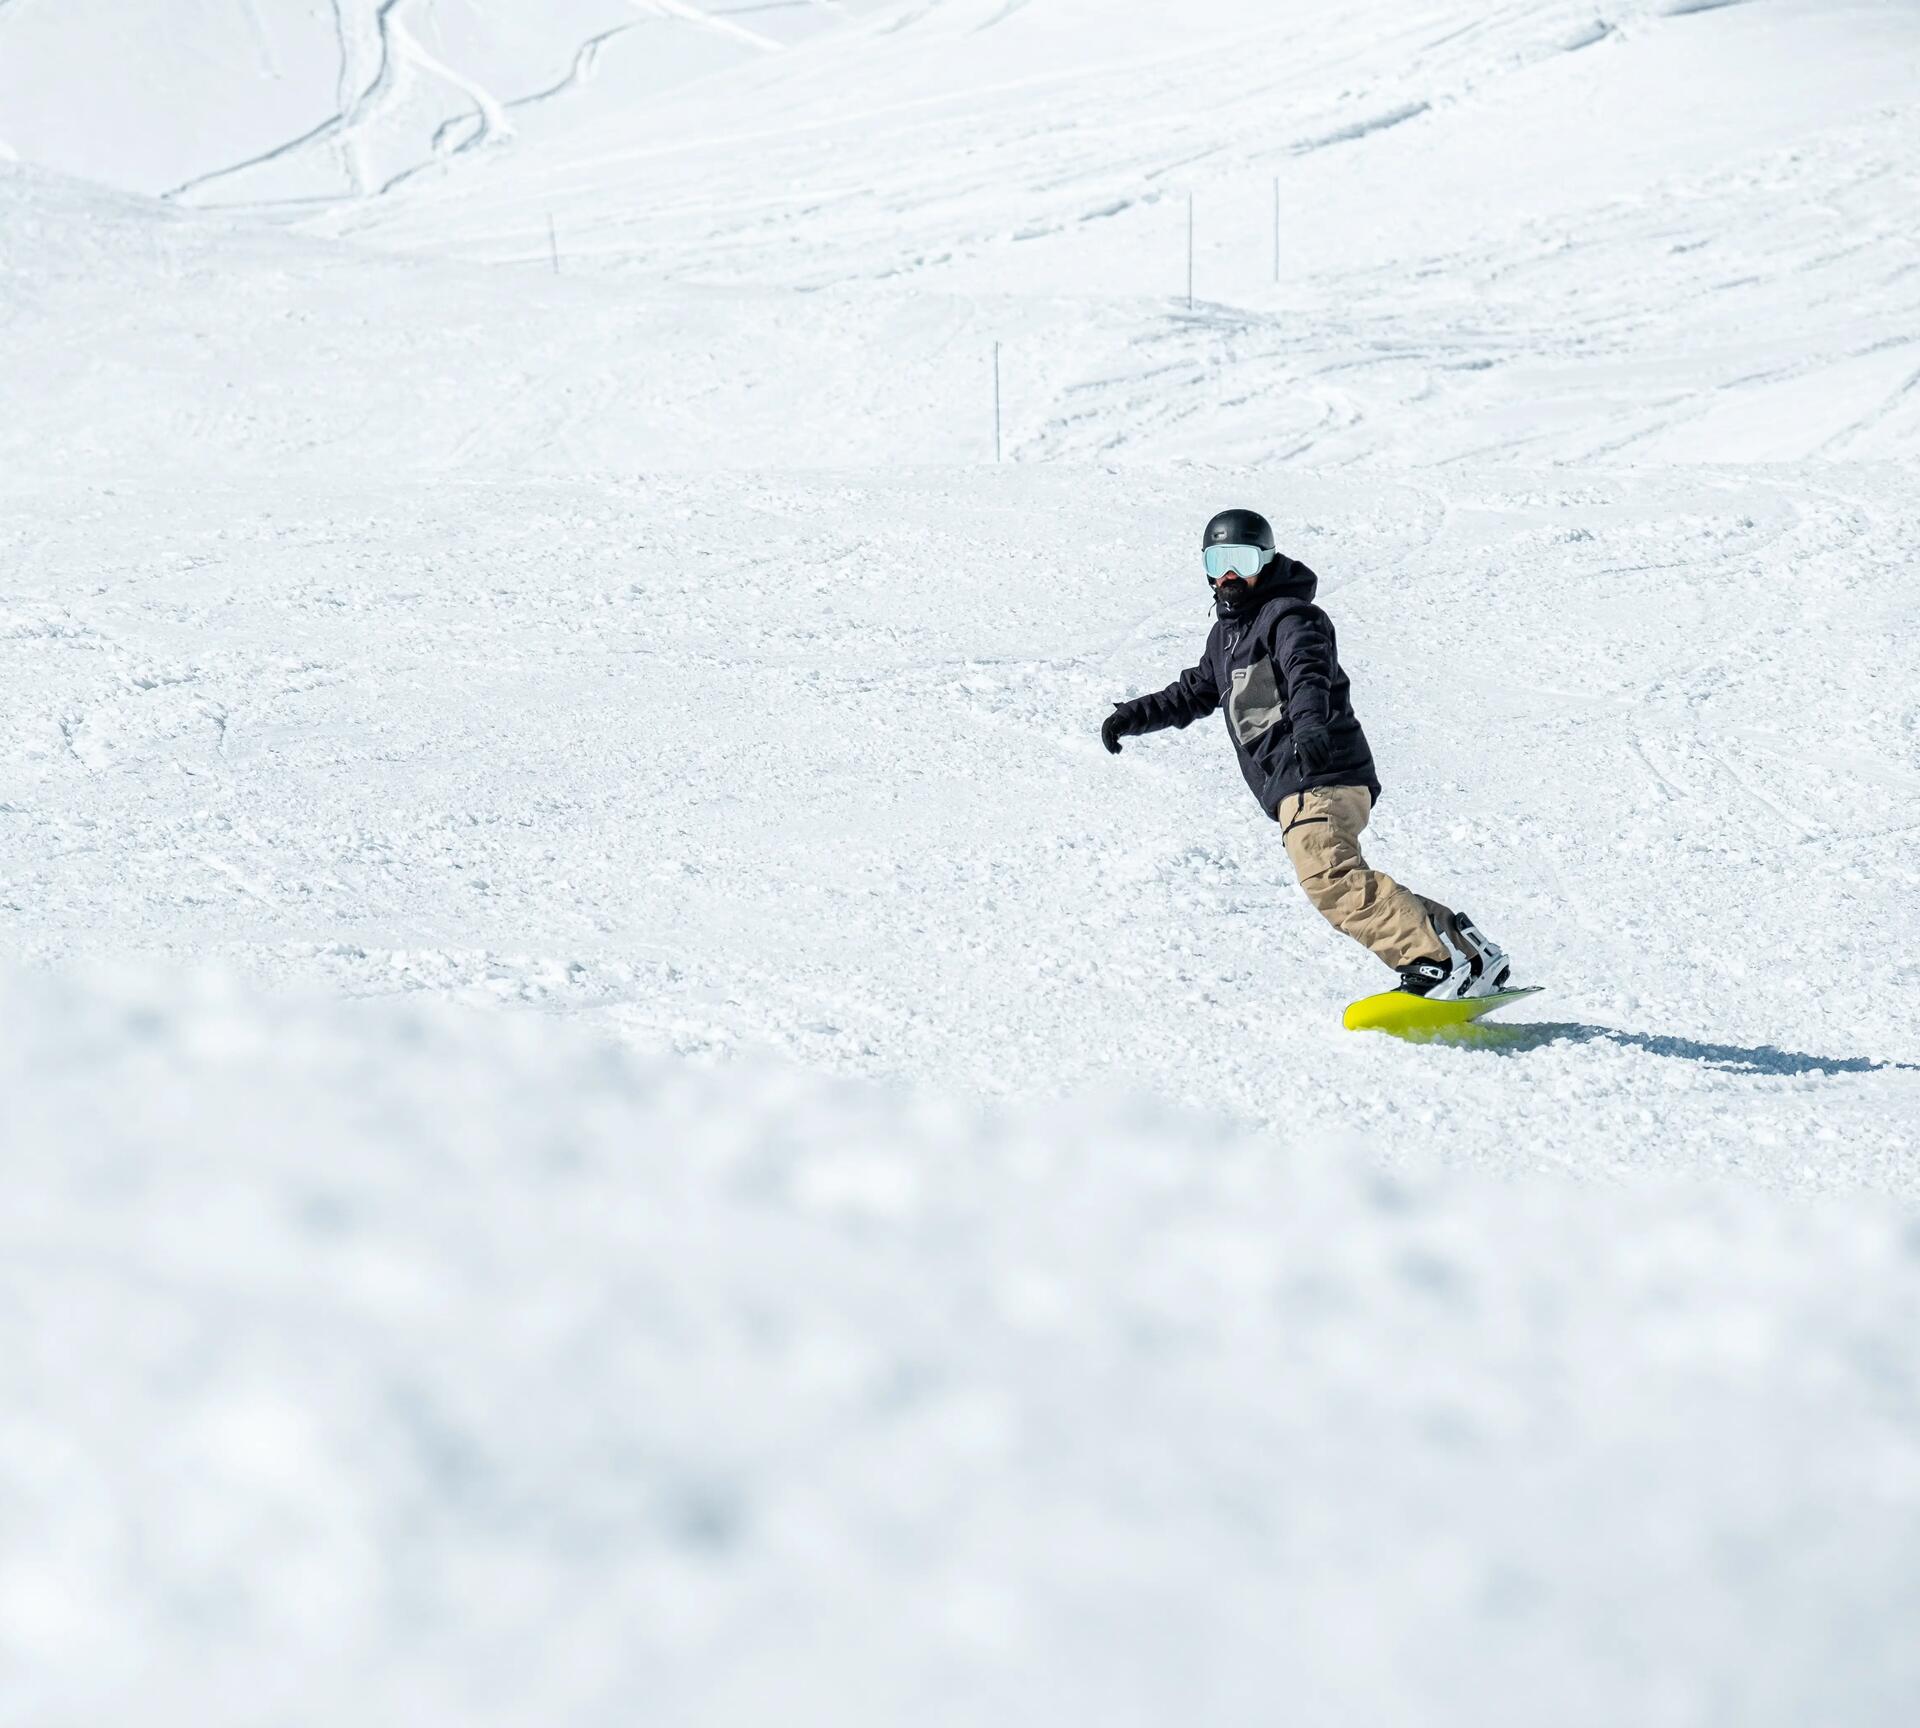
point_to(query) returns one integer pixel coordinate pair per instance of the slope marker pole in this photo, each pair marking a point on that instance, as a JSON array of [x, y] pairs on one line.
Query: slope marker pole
[[996, 402], [1189, 251], [1276, 228], [553, 243]]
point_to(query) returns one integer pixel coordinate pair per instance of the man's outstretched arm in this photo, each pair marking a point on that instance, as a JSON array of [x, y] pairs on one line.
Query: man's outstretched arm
[[1190, 697]]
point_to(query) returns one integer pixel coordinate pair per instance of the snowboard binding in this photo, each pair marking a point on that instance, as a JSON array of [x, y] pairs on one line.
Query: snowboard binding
[[1438, 995], [1474, 965]]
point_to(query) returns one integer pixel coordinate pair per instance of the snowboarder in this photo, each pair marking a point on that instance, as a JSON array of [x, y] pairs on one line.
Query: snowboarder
[[1271, 660]]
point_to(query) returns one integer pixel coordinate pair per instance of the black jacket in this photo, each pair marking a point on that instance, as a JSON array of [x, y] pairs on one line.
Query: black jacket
[[1272, 663]]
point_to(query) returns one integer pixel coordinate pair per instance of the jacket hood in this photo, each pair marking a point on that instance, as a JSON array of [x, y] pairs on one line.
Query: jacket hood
[[1284, 579]]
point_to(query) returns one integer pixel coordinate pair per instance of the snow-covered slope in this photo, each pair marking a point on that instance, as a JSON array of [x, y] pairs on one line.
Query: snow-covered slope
[[140, 339], [372, 1366], [652, 654], [804, 768], [1673, 233], [1690, 238]]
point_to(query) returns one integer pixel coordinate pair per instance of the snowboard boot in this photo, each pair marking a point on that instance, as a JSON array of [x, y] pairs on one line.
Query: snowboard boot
[[1424, 976]]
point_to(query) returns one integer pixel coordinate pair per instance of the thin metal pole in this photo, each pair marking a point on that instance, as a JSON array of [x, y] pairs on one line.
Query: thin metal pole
[[1189, 251], [553, 243], [1276, 227], [996, 401]]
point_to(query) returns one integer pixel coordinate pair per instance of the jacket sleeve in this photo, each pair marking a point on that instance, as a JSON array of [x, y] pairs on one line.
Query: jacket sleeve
[[1190, 697], [1303, 655]]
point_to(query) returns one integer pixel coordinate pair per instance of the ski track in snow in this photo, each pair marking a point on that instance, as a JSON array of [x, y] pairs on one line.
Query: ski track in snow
[[586, 59], [719, 23], [367, 31], [489, 123]]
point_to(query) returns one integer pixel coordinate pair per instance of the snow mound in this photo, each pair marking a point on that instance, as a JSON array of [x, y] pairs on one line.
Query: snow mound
[[377, 1364]]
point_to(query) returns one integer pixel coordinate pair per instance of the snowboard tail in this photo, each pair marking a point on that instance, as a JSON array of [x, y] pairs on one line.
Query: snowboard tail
[[1401, 1012]]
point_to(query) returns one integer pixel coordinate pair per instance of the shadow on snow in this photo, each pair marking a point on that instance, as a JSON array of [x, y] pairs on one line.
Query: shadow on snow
[[1734, 1058]]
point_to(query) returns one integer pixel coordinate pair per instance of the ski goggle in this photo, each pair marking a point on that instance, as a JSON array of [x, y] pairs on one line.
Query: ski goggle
[[1246, 562]]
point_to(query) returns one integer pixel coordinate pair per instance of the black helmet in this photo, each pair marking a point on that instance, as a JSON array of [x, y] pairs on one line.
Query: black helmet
[[1239, 528], [1238, 544]]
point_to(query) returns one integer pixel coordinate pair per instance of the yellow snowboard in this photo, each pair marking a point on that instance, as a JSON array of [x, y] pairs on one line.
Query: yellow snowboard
[[1413, 1016]]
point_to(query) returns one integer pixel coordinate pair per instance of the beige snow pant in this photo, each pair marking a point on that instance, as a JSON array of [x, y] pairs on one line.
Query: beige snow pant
[[1321, 829]]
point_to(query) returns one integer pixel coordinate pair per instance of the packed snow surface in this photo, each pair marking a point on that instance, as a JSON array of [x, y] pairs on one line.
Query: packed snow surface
[[612, 1109], [823, 786]]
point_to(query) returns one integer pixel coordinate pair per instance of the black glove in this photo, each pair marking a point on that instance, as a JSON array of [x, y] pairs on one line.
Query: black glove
[[1314, 747], [1117, 725]]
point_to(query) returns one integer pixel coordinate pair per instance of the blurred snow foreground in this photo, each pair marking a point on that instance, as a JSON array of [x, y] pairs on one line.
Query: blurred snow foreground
[[368, 1363]]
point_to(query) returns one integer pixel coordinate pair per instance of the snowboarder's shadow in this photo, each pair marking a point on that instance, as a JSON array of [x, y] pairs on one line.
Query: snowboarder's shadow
[[1733, 1058]]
